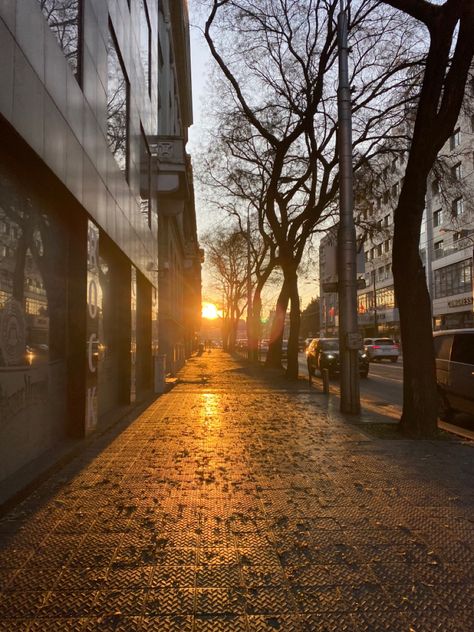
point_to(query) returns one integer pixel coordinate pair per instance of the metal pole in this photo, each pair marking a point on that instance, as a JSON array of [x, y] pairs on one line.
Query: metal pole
[[349, 338]]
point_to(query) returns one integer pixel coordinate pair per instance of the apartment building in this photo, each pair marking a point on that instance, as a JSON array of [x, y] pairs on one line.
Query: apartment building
[[377, 311], [446, 243], [83, 170]]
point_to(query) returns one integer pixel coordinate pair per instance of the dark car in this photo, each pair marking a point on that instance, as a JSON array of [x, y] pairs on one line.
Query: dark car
[[323, 353], [454, 352]]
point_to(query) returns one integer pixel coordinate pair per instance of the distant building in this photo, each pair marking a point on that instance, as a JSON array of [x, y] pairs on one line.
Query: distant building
[[82, 195], [446, 243]]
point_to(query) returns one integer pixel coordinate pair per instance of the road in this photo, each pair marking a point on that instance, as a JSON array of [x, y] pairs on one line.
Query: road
[[382, 389]]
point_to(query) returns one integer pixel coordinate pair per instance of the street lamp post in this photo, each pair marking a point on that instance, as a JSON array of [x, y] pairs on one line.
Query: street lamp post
[[349, 337]]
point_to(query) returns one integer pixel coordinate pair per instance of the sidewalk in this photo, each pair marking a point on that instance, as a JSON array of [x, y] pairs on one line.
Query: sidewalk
[[237, 502]]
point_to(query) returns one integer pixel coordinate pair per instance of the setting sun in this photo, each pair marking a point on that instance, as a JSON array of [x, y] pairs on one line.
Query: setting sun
[[210, 311]]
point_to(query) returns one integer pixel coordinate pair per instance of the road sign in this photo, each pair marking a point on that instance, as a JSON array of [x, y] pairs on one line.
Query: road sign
[[330, 287], [333, 286]]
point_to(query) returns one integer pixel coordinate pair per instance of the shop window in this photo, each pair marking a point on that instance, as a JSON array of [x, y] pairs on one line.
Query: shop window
[[117, 105], [64, 20]]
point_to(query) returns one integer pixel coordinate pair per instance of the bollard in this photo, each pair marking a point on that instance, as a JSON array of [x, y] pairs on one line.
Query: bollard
[[325, 376]]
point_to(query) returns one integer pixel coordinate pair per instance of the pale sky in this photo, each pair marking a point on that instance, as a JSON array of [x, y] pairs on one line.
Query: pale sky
[[201, 62]]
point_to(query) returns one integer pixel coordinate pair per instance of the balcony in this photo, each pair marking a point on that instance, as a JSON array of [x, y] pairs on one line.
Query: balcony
[[173, 169], [457, 246]]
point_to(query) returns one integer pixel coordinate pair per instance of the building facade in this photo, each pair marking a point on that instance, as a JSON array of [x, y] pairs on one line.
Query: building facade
[[180, 257], [446, 243], [79, 217]]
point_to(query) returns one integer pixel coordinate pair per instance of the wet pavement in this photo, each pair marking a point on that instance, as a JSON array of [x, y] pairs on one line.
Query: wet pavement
[[239, 503]]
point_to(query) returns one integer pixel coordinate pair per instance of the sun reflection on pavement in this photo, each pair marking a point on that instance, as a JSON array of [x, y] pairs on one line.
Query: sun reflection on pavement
[[210, 409]]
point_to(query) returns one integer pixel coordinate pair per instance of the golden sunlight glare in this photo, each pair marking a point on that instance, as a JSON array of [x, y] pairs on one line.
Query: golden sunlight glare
[[210, 311]]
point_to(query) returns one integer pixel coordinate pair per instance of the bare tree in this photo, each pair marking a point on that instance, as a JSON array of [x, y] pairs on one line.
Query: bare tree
[[450, 27], [226, 256], [279, 115]]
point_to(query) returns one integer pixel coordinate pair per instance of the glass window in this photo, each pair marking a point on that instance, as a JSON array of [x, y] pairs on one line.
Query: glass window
[[329, 344], [455, 139], [442, 346], [435, 187], [456, 171], [117, 105], [463, 348], [458, 207], [453, 279], [437, 217], [145, 42], [386, 298], [64, 19]]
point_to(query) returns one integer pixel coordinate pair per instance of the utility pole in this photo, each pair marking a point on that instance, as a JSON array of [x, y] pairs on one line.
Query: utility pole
[[349, 337]]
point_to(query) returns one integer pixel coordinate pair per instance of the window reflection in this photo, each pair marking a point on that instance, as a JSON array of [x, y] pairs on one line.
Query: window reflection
[[145, 178], [32, 289], [63, 17], [117, 105], [145, 41]]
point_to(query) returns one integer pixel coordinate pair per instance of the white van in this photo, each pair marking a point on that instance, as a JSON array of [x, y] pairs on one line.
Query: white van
[[454, 351]]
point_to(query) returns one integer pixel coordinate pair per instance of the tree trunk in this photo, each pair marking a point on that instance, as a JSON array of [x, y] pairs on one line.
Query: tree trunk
[[292, 354], [419, 417], [276, 337]]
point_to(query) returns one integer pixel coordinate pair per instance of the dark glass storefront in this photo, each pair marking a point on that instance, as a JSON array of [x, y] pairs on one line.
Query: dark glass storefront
[[33, 321], [75, 320]]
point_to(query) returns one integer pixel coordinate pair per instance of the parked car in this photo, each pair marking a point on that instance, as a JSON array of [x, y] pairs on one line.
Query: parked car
[[323, 353], [454, 352], [381, 349]]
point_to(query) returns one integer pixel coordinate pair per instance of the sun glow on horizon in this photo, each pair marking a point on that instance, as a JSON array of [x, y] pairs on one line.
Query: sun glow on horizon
[[210, 311]]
